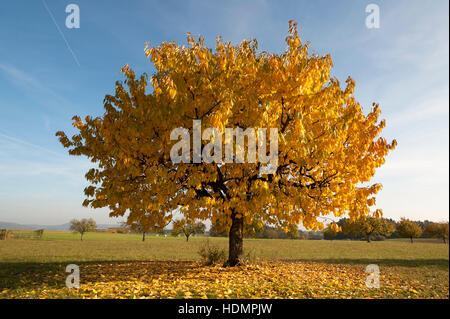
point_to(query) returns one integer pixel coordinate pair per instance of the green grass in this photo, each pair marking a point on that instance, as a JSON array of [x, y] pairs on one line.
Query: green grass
[[66, 235], [424, 261], [65, 246]]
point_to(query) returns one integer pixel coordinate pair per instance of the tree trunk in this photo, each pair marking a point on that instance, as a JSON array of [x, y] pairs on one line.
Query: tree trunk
[[235, 240], [368, 238], [81, 236], [411, 240], [143, 236], [444, 240], [187, 238]]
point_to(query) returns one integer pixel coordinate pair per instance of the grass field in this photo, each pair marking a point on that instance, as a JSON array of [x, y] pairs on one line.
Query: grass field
[[121, 265]]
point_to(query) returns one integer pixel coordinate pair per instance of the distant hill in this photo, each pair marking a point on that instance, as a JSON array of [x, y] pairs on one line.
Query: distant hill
[[66, 226]]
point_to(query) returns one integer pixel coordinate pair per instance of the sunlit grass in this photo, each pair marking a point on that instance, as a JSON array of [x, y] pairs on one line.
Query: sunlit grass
[[35, 268]]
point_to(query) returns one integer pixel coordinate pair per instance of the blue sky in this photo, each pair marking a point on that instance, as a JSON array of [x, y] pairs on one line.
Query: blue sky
[[403, 65]]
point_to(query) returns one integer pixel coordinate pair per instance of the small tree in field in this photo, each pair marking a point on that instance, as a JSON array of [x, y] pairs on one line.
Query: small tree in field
[[331, 231], [292, 232], [408, 229], [188, 228], [147, 222], [437, 230], [367, 227], [82, 226], [140, 228]]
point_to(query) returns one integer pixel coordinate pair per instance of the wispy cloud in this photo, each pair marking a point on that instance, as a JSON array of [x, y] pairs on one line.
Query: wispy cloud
[[21, 77], [32, 85], [19, 141], [436, 107], [412, 36], [20, 158]]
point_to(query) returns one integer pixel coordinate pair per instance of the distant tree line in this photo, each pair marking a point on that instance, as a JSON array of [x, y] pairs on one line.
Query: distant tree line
[[364, 228], [258, 229], [371, 228]]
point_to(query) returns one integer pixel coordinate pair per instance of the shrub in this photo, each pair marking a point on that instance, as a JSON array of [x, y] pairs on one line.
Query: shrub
[[211, 254]]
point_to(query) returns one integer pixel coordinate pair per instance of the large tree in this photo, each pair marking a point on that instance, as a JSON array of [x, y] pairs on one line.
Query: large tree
[[328, 148]]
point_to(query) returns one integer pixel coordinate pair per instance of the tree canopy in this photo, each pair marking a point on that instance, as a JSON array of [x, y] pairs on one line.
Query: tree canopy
[[367, 227], [408, 229], [437, 230]]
